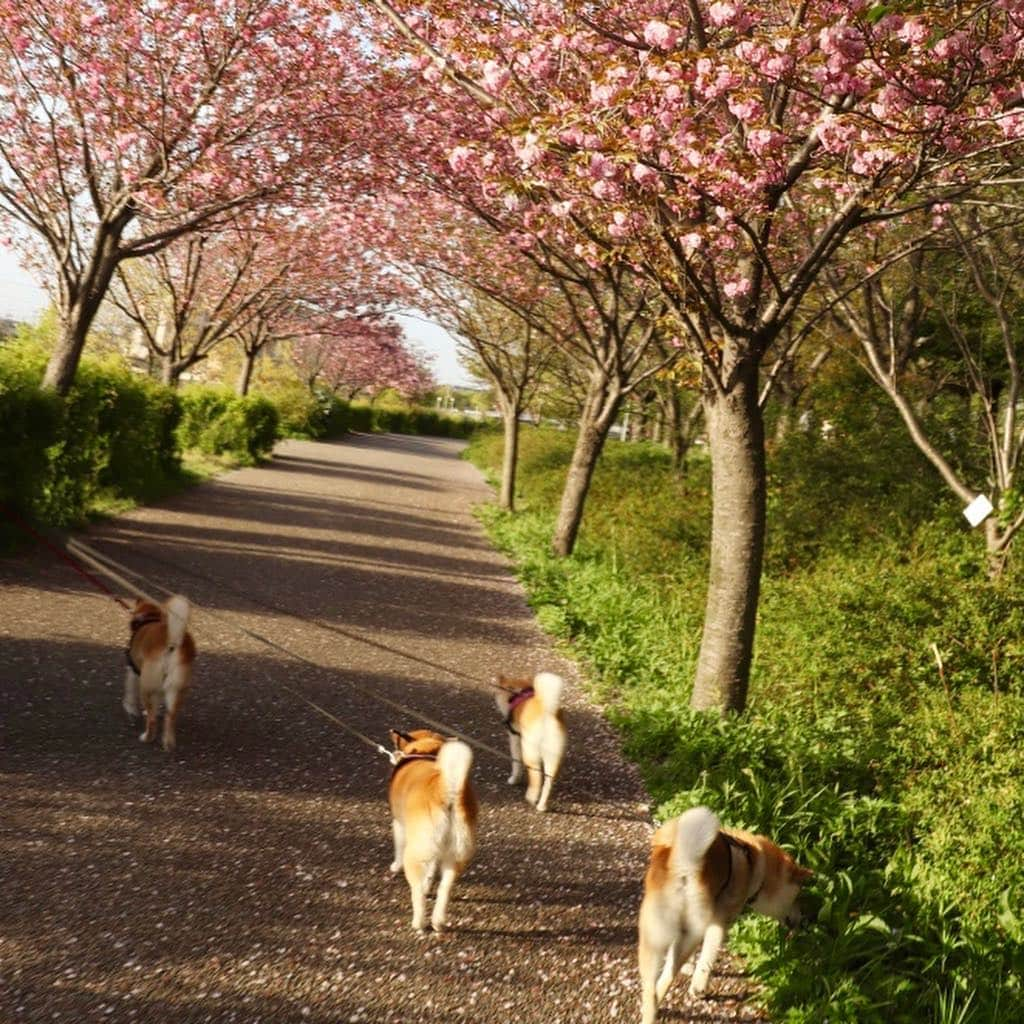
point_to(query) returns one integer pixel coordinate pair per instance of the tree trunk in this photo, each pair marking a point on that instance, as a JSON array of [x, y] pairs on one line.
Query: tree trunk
[[510, 455], [679, 428], [245, 375], [78, 306], [598, 414], [738, 484], [75, 323], [168, 374]]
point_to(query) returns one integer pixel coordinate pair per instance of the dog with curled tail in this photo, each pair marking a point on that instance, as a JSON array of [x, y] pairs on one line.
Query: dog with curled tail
[[537, 737], [160, 654], [434, 814], [701, 877]]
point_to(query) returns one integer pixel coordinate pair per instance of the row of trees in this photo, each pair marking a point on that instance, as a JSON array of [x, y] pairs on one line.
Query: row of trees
[[191, 166], [707, 186], [633, 198]]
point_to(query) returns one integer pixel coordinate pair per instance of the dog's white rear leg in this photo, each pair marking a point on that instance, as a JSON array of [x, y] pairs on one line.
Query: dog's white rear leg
[[151, 704], [515, 748], [534, 774], [713, 938], [652, 960], [551, 758], [173, 701], [398, 832], [131, 703], [414, 876], [444, 889], [673, 962], [542, 803], [428, 878]]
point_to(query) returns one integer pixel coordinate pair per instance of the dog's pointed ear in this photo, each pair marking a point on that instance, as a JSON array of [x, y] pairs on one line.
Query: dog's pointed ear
[[399, 738]]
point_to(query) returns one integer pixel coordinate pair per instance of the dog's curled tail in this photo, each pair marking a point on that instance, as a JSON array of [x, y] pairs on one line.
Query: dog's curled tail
[[548, 689], [454, 760], [696, 829], [178, 611]]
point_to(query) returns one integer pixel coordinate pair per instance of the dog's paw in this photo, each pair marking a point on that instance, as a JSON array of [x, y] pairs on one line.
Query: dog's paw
[[699, 986], [394, 868]]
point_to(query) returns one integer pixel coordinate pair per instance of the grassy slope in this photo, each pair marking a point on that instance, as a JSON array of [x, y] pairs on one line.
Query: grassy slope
[[899, 786]]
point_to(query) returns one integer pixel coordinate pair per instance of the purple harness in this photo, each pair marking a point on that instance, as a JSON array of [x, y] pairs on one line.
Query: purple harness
[[137, 622], [521, 697]]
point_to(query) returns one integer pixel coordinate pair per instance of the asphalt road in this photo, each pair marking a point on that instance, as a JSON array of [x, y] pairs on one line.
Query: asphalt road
[[244, 878]]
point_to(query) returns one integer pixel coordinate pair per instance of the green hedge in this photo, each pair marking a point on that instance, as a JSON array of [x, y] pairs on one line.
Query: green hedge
[[119, 436], [113, 433], [218, 422], [327, 416]]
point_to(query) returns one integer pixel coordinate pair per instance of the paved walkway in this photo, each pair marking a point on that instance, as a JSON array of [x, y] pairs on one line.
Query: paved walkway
[[244, 878]]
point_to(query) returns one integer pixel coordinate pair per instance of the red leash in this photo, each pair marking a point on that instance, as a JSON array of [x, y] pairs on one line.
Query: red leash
[[28, 528]]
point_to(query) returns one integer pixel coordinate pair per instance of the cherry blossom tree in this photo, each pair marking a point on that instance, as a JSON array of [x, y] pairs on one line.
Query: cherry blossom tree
[[507, 315], [726, 151], [509, 342], [354, 355], [175, 115], [201, 289], [610, 315], [242, 280]]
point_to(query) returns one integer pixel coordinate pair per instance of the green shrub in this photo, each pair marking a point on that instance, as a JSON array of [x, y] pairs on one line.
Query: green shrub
[[217, 422], [30, 424], [113, 434], [300, 412]]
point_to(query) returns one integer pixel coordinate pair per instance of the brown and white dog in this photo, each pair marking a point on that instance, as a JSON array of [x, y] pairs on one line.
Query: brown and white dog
[[536, 731], [699, 880], [160, 655], [433, 817]]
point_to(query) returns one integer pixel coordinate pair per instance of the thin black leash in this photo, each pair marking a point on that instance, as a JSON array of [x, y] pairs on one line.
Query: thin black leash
[[98, 560], [319, 623]]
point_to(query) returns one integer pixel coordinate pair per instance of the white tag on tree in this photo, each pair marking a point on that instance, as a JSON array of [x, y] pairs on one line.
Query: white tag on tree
[[978, 510]]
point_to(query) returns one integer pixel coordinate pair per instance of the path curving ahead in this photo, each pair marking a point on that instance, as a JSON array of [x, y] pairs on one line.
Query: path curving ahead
[[244, 878]]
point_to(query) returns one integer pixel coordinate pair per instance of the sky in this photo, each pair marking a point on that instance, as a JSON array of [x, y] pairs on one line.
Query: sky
[[22, 299]]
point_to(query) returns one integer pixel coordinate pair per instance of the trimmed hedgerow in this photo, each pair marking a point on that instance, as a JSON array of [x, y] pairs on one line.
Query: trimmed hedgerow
[[113, 433]]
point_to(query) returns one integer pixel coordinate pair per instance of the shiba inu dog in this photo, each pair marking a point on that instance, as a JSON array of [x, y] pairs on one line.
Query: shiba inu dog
[[699, 880], [433, 817], [536, 731], [160, 654]]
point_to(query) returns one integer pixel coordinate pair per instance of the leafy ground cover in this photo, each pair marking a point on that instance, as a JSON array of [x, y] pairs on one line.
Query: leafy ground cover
[[897, 779]]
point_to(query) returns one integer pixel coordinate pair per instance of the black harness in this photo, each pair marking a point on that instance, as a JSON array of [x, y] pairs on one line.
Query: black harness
[[137, 622], [732, 843], [407, 758], [517, 698]]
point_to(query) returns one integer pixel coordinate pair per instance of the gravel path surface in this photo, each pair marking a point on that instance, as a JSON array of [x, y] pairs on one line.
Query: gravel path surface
[[244, 878]]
